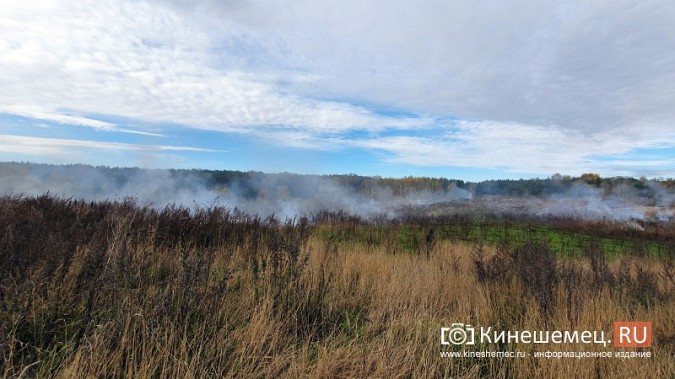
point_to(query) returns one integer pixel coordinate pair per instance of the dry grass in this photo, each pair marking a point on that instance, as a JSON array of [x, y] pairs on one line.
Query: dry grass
[[115, 290]]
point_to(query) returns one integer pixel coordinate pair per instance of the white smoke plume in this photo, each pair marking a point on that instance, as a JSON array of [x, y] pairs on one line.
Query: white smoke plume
[[281, 195], [290, 195]]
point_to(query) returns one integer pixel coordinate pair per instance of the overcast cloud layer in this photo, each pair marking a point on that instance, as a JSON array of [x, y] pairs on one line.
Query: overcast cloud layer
[[524, 86]]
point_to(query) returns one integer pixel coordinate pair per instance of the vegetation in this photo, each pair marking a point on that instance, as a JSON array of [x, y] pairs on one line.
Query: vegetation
[[248, 183], [114, 289]]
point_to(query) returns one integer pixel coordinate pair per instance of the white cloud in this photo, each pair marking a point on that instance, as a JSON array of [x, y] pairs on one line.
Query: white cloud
[[39, 114], [525, 149], [133, 60], [574, 64], [556, 84], [54, 146]]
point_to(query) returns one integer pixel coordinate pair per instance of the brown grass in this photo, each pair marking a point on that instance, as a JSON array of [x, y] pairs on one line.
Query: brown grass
[[117, 290]]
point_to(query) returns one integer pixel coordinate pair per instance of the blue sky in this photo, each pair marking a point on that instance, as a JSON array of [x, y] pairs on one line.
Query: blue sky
[[391, 88]]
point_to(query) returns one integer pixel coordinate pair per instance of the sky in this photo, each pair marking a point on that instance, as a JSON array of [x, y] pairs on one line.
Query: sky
[[464, 89]]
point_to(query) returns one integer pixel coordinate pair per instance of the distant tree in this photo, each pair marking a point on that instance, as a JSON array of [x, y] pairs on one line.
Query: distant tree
[[591, 178]]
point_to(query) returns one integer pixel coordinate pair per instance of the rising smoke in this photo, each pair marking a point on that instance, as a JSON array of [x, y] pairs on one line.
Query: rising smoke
[[290, 195], [281, 195]]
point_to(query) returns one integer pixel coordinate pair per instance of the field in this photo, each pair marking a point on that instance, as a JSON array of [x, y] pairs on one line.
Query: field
[[116, 289]]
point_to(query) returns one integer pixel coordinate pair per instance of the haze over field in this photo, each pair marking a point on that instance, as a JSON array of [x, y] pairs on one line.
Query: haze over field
[[461, 89], [291, 195]]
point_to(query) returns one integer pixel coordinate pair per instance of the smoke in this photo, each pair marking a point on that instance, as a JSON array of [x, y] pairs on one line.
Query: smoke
[[589, 208], [281, 195], [622, 203], [153, 187], [290, 195]]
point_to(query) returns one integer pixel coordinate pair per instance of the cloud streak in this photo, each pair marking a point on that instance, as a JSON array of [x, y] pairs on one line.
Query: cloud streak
[[53, 146]]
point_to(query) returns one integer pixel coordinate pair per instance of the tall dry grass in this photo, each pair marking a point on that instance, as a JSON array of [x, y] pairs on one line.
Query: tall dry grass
[[119, 290]]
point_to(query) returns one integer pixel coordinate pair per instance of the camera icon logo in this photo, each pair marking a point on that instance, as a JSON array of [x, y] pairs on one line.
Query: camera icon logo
[[458, 334]]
